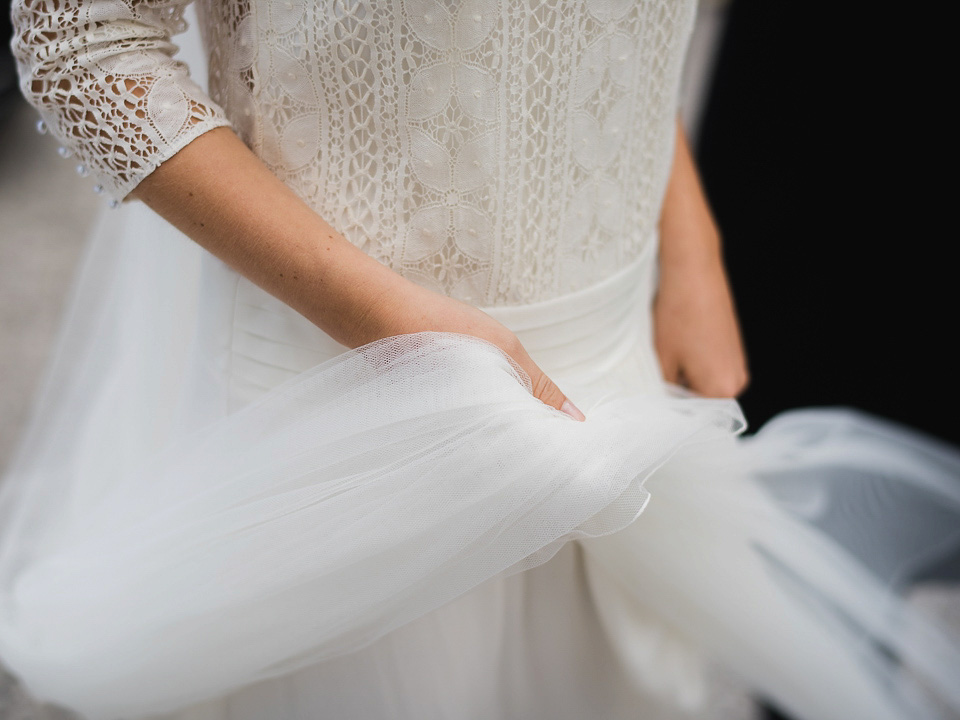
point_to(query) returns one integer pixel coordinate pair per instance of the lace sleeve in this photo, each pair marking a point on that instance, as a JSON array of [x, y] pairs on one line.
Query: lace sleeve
[[102, 75]]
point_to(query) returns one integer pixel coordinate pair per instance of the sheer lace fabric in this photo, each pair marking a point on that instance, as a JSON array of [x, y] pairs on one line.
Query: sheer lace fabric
[[501, 152]]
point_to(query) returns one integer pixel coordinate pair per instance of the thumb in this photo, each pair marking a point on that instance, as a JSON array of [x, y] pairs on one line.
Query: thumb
[[544, 389]]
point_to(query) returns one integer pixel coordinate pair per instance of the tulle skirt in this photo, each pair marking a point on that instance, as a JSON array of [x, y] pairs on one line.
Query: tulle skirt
[[219, 512]]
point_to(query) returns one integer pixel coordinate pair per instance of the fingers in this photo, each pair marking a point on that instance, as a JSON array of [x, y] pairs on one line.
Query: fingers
[[670, 369], [710, 371], [547, 392], [544, 389]]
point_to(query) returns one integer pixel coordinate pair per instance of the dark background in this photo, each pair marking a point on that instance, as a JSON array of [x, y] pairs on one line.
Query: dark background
[[827, 150]]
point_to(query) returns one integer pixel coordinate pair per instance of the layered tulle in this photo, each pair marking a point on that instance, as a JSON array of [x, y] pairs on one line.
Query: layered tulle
[[213, 493], [790, 557], [347, 502], [341, 504]]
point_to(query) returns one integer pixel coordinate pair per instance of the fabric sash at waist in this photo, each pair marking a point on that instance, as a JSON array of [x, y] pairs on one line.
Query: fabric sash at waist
[[579, 335], [590, 330]]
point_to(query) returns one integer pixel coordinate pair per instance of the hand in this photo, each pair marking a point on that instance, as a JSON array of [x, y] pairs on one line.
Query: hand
[[423, 310], [696, 332]]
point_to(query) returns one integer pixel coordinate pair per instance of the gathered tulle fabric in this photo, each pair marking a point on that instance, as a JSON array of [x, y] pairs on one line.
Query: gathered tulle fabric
[[345, 503], [792, 566], [140, 574]]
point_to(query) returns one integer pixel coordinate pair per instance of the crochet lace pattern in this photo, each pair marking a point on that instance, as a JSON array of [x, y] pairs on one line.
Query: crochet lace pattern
[[501, 152]]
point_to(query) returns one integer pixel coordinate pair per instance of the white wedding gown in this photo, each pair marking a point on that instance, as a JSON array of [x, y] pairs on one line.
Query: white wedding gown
[[219, 512]]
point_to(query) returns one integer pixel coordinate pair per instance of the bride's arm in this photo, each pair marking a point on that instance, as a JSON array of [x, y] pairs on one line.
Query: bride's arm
[[102, 76], [219, 193], [696, 330]]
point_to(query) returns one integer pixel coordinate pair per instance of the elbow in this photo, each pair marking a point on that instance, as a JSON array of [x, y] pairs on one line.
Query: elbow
[[102, 75]]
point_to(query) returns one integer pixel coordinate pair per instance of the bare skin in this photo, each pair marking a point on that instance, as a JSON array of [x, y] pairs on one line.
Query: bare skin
[[696, 331]]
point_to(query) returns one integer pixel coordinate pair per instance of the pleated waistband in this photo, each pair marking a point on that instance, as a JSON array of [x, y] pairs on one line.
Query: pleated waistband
[[594, 326], [583, 333]]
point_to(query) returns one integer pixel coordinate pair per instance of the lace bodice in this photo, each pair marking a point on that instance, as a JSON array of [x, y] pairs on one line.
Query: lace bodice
[[499, 151]]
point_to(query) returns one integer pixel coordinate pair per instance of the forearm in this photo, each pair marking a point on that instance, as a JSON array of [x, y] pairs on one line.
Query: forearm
[[217, 192], [697, 333], [93, 69], [688, 231], [103, 76]]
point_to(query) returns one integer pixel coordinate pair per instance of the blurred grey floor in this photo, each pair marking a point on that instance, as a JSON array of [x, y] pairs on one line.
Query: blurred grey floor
[[46, 212]]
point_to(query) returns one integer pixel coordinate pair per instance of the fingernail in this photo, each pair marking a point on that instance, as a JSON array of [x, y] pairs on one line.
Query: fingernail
[[570, 409]]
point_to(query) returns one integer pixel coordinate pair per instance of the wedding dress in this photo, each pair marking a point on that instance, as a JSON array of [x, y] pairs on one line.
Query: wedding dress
[[219, 512]]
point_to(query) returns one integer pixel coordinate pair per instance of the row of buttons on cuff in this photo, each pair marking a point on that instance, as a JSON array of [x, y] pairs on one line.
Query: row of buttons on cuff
[[82, 169]]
